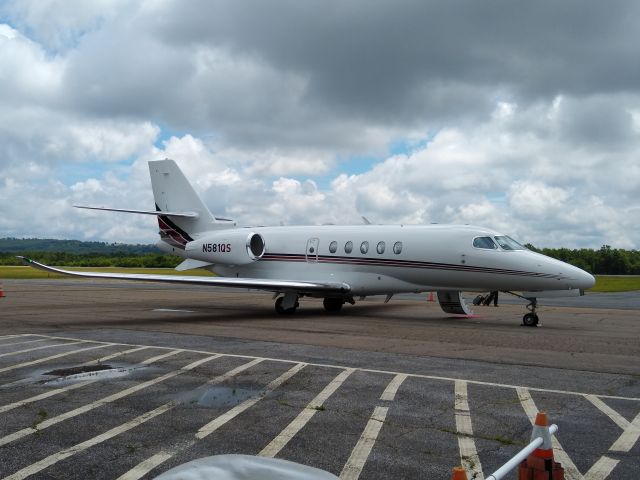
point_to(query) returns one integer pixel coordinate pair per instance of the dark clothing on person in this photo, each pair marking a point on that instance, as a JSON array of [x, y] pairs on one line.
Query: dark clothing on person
[[493, 296]]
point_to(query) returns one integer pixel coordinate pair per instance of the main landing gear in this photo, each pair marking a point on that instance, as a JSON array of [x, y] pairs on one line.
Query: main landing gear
[[333, 305], [287, 304]]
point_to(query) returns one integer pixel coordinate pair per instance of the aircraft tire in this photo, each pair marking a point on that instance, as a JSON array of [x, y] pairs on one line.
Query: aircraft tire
[[332, 305], [284, 311], [530, 320]]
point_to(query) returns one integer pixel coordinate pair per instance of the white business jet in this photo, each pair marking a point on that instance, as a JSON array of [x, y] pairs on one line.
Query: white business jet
[[342, 263]]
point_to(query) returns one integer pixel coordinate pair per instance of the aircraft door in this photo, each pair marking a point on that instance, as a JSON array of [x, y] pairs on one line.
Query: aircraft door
[[312, 250]]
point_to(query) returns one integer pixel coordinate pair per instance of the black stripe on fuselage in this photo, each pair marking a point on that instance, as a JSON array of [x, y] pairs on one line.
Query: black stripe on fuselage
[[385, 262]]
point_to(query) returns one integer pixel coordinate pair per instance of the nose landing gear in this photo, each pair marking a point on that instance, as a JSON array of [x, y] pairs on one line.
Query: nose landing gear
[[531, 319]]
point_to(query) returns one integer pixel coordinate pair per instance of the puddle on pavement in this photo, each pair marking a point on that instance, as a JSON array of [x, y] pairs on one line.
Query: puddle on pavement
[[80, 373], [217, 396], [65, 372]]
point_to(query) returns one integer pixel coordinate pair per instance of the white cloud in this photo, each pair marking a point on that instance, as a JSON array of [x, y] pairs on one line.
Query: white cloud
[[268, 110]]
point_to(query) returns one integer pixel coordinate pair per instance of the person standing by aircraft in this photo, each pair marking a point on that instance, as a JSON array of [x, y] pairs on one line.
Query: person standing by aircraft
[[493, 296]]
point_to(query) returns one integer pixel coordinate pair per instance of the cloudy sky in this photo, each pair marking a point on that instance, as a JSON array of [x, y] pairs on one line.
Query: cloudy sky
[[520, 116]]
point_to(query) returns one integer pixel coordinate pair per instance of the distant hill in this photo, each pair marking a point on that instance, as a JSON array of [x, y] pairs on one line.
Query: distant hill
[[16, 245]]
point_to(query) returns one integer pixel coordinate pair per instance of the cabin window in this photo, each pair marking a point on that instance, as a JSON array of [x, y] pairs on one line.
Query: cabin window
[[484, 242], [508, 243], [397, 248], [333, 247], [380, 247], [364, 247], [348, 247]]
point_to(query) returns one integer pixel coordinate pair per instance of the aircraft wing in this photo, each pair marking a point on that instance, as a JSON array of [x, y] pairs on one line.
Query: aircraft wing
[[267, 284]]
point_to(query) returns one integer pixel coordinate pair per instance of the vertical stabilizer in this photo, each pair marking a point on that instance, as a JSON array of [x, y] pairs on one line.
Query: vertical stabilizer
[[173, 193]]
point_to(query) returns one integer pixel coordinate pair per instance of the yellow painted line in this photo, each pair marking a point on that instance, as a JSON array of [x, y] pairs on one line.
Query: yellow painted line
[[52, 357], [467, 445], [80, 447], [303, 417], [390, 392], [93, 405], [362, 450], [26, 350]]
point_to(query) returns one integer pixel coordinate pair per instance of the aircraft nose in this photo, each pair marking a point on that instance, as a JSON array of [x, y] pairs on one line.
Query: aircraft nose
[[586, 280]]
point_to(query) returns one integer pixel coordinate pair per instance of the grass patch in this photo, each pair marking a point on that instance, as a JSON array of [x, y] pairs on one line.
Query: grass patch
[[41, 417], [616, 283], [26, 273]]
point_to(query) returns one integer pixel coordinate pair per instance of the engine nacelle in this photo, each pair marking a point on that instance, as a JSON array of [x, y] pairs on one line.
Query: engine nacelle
[[228, 247]]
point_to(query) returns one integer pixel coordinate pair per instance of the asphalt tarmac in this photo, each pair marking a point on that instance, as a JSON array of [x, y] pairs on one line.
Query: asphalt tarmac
[[393, 390]]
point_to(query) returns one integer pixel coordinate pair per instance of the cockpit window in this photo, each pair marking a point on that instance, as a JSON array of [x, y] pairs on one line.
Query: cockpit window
[[484, 242], [508, 243]]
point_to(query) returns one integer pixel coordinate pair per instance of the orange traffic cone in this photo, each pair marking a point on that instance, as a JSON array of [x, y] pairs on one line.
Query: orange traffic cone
[[540, 464], [431, 299], [458, 473]]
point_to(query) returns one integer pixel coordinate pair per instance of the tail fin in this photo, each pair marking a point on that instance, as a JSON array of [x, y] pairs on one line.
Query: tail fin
[[173, 193]]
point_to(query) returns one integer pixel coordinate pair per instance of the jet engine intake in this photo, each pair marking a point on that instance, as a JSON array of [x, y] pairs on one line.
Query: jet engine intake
[[235, 247], [452, 302]]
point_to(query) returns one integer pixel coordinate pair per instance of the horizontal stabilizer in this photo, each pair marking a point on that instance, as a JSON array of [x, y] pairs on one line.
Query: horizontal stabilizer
[[143, 212], [268, 284], [190, 264]]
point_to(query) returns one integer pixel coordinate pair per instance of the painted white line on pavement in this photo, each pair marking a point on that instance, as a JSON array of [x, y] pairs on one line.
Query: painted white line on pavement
[[601, 469], [628, 438], [373, 370], [114, 355], [93, 405], [52, 357], [152, 462], [467, 445], [303, 417], [23, 342], [360, 453], [39, 348], [80, 447], [390, 392], [171, 310], [161, 357], [598, 471], [51, 393], [215, 424], [2, 337], [608, 411], [146, 466]]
